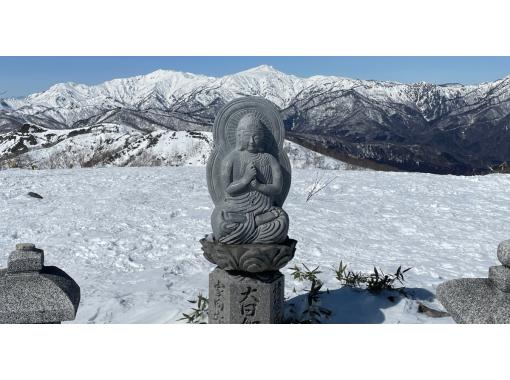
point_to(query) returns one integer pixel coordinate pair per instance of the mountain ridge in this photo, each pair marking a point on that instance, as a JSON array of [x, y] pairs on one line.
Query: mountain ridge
[[114, 145], [445, 128]]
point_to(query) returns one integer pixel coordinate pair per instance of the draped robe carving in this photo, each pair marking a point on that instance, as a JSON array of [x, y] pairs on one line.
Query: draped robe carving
[[249, 175], [251, 215]]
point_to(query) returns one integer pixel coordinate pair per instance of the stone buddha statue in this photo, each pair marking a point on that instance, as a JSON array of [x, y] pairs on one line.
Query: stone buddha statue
[[248, 177], [252, 179]]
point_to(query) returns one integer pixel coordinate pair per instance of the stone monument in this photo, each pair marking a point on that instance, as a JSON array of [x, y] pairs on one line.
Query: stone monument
[[248, 176], [33, 293], [480, 300]]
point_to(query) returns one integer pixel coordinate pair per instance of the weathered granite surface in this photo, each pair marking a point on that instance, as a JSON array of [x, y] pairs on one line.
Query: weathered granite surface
[[26, 258], [480, 300], [33, 293], [500, 277], [236, 297], [474, 300], [504, 253]]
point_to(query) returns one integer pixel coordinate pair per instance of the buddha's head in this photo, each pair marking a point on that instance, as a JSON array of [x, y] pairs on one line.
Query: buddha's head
[[250, 134]]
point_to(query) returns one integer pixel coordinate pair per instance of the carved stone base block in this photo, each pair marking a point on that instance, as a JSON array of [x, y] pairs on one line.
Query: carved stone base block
[[240, 297]]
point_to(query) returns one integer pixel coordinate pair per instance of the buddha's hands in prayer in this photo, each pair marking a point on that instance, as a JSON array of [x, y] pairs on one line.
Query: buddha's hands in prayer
[[250, 172]]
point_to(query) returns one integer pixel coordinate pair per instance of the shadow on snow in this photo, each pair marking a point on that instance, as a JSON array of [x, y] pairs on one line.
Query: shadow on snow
[[353, 305]]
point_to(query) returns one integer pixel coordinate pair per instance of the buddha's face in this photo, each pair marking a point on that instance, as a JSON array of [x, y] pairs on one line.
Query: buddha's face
[[250, 135]]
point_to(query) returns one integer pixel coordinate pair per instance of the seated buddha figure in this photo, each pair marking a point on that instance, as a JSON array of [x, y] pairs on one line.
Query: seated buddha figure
[[252, 178]]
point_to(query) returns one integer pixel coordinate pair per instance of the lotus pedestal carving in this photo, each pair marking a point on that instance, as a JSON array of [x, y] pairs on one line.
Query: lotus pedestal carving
[[252, 258]]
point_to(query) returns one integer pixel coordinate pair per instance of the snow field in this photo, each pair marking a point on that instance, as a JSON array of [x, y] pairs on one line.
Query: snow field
[[129, 236]]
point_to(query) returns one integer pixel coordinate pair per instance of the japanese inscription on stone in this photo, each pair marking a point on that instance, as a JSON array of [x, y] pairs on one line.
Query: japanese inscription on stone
[[248, 305]]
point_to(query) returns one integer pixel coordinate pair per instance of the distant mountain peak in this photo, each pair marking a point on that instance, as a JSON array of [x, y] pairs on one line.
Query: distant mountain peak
[[261, 69], [62, 86], [164, 73]]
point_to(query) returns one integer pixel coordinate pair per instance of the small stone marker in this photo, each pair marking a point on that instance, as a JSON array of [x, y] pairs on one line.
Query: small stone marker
[[480, 300], [33, 293]]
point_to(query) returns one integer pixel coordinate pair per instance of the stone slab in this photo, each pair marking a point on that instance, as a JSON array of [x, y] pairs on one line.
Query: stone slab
[[474, 300], [243, 298]]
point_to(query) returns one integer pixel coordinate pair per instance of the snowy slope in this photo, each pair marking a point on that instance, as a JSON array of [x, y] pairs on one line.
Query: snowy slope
[[116, 145], [129, 236]]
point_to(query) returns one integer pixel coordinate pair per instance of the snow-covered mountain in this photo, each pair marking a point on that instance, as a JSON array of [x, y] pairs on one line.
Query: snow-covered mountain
[[420, 127], [114, 145]]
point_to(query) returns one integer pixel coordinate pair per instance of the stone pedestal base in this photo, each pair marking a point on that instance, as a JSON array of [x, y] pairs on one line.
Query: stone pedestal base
[[474, 300], [480, 300], [240, 297], [31, 292]]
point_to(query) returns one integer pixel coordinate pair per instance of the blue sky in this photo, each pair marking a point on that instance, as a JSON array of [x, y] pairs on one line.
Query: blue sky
[[20, 76]]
